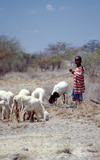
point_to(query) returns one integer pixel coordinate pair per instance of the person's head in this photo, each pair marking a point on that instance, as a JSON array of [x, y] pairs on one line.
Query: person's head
[[78, 60]]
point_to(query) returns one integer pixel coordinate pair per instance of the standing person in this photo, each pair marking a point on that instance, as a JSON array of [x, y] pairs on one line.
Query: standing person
[[79, 86]]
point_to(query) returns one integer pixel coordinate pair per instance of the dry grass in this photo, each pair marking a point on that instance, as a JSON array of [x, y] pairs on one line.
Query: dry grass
[[64, 149], [86, 110], [17, 126], [93, 150], [85, 115], [64, 113], [31, 80], [19, 157]]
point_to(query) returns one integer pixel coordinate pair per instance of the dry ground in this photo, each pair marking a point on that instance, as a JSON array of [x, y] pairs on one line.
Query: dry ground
[[70, 133]]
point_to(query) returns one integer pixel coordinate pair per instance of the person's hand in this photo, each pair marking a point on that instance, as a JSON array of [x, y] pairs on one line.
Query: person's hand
[[70, 70]]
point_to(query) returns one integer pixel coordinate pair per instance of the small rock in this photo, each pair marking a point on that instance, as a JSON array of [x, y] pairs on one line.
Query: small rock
[[25, 149], [15, 156]]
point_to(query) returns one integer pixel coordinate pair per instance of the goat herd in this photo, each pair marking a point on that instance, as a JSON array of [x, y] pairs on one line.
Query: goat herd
[[30, 104]]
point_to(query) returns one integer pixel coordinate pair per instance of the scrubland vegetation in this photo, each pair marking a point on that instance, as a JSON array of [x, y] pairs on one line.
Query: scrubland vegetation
[[70, 133], [14, 59]]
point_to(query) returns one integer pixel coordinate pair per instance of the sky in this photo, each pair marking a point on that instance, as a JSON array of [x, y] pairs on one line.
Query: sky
[[38, 23]]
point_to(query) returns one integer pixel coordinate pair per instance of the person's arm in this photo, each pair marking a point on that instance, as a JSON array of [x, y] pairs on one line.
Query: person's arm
[[70, 70]]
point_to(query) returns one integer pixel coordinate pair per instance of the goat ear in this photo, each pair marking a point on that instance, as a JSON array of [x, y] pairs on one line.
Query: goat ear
[[56, 94]]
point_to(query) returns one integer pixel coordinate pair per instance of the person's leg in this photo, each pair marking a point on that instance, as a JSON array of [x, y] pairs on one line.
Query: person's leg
[[73, 95], [79, 97]]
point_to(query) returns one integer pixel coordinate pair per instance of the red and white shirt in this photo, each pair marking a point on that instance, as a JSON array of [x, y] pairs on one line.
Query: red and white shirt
[[79, 86]]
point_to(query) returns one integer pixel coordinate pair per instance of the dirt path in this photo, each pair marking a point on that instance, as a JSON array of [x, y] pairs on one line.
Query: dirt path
[[59, 138], [70, 134]]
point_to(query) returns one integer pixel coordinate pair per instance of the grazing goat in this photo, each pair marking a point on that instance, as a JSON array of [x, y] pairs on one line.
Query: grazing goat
[[10, 97], [4, 106], [39, 93], [35, 105], [17, 102], [59, 89], [24, 92], [7, 97], [3, 95]]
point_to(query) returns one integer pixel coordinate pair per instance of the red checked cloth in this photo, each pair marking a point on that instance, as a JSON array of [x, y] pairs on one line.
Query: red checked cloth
[[79, 86]]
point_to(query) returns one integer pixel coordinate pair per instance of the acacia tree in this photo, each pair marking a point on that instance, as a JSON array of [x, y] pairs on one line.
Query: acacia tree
[[91, 63], [10, 50], [34, 62], [41, 61], [55, 54], [70, 53], [91, 46]]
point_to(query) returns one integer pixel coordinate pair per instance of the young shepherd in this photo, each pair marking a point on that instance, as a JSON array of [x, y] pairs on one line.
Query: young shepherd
[[79, 85]]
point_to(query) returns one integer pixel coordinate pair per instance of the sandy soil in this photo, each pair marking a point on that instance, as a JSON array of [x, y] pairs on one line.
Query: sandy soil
[[70, 133]]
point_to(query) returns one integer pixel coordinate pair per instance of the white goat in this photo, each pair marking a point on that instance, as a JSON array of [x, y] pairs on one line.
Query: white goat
[[4, 106], [39, 93], [17, 103], [3, 95], [59, 89], [35, 105], [7, 97], [10, 97], [17, 99], [24, 92]]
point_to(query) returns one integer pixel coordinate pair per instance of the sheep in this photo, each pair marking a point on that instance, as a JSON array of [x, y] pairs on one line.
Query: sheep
[[24, 99], [35, 105], [7, 97], [4, 106], [3, 95], [59, 89], [17, 103], [24, 92], [10, 97], [39, 93], [17, 99], [2, 91]]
